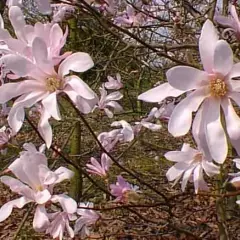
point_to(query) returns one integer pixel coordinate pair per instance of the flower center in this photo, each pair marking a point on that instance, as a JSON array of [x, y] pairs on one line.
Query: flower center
[[198, 157], [218, 87], [53, 84]]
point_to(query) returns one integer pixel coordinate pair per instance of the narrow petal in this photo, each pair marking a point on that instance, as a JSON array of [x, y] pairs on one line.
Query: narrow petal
[[80, 87], [186, 78], [159, 93], [179, 156], [40, 220], [6, 209], [67, 203], [44, 6], [176, 171], [77, 62], [51, 106], [223, 58], [207, 43], [187, 174], [44, 127], [215, 134], [63, 174], [181, 118]]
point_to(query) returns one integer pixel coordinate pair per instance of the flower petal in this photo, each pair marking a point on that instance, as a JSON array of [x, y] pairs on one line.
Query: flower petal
[[159, 93], [44, 6], [77, 62], [67, 203], [186, 78], [176, 170], [6, 209], [51, 106], [207, 43], [223, 58], [40, 220], [181, 118], [214, 131]]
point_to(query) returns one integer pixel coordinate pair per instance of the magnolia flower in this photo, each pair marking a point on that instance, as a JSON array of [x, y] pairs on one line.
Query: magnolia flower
[[60, 220], [122, 190], [51, 34], [35, 184], [43, 84], [211, 89], [61, 11], [100, 169], [232, 22], [165, 111], [114, 83], [88, 217], [107, 102], [130, 17], [190, 163], [5, 135], [44, 6]]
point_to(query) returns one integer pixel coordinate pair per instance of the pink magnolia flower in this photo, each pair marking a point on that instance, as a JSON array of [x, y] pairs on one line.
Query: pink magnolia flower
[[122, 189], [88, 217], [50, 33], [100, 169], [43, 84], [232, 22], [211, 89], [35, 184], [112, 83], [108, 102], [59, 221], [44, 6]]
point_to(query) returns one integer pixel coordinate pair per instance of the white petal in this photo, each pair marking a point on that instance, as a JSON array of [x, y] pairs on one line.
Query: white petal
[[6, 209], [80, 87], [215, 134], [179, 156], [159, 93], [223, 58], [186, 78], [51, 106], [67, 203], [40, 220], [186, 177], [77, 62], [17, 64], [181, 118], [207, 43], [44, 127], [63, 174], [176, 171]]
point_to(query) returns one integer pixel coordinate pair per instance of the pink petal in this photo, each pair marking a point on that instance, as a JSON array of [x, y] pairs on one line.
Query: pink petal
[[178, 156], [181, 118], [159, 93], [44, 6], [51, 106], [80, 87], [223, 58], [44, 127], [17, 64], [215, 134], [63, 174], [77, 62], [6, 209], [42, 197], [40, 220], [18, 22], [186, 78], [67, 203], [207, 43]]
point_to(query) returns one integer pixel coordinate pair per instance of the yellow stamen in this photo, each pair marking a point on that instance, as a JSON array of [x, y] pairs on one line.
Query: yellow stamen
[[53, 84], [218, 87]]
